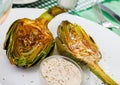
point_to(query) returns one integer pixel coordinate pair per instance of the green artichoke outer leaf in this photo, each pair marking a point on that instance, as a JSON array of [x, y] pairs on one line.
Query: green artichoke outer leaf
[[29, 41], [72, 41], [7, 40]]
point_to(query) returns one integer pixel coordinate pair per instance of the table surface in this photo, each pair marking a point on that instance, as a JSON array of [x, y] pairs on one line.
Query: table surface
[[87, 13]]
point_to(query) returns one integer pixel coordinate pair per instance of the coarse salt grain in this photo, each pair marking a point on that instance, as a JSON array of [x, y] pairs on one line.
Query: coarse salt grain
[[59, 71]]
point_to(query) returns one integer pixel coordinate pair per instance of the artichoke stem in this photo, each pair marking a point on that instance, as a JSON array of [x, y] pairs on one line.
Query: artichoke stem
[[97, 70], [51, 13]]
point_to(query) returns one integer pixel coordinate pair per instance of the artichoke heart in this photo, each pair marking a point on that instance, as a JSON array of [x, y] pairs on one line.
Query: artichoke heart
[[29, 41], [72, 41]]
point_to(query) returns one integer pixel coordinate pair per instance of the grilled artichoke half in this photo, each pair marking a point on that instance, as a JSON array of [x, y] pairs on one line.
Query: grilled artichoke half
[[74, 42], [28, 41]]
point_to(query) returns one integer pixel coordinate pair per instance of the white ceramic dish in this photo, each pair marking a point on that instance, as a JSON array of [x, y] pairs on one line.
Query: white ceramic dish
[[23, 1], [108, 42], [56, 65]]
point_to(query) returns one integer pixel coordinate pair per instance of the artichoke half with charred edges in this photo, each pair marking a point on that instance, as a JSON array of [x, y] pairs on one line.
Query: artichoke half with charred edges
[[29, 41], [72, 41]]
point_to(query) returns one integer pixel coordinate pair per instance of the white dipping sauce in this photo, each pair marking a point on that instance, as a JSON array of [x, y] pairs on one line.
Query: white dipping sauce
[[59, 70]]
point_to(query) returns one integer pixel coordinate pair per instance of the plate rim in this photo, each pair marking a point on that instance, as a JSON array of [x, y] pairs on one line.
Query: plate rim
[[24, 2]]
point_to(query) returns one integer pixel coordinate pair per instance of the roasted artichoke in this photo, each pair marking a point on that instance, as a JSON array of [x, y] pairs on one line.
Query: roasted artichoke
[[74, 42], [28, 41]]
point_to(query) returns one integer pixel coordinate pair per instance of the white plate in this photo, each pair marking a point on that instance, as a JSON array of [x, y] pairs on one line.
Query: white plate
[[23, 1], [108, 42]]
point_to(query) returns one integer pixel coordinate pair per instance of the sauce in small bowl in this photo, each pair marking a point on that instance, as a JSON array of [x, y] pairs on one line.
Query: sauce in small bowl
[[60, 70]]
